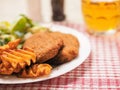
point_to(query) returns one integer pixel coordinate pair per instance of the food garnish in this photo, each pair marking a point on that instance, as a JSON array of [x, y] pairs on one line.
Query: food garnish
[[21, 28]]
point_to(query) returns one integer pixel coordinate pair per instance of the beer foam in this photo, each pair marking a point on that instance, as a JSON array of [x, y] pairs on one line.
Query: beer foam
[[103, 0]]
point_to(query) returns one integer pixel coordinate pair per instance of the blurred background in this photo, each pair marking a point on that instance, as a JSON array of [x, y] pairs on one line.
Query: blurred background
[[39, 10]]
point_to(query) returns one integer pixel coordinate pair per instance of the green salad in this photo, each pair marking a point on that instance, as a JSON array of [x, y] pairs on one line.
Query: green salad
[[21, 28]]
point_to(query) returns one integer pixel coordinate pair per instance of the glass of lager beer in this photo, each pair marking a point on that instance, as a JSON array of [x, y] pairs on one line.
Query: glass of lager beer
[[101, 16]]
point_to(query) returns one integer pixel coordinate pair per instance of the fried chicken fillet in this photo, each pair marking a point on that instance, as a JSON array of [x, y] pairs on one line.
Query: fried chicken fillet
[[45, 45], [69, 51]]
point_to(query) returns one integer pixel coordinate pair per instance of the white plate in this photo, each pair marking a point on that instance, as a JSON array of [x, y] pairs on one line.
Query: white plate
[[84, 51]]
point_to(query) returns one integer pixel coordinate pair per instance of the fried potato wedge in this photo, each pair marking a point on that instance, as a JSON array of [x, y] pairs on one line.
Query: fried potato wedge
[[10, 45], [36, 70], [6, 70], [14, 44], [16, 59]]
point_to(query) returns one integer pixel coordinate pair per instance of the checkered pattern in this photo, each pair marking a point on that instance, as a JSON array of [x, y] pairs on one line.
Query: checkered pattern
[[101, 70]]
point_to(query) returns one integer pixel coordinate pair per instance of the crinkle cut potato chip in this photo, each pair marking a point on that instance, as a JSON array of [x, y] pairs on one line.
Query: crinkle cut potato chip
[[10, 45], [15, 60], [36, 70]]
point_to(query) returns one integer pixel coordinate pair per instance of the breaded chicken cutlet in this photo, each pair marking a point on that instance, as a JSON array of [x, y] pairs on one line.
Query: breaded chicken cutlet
[[53, 47], [69, 51], [45, 45]]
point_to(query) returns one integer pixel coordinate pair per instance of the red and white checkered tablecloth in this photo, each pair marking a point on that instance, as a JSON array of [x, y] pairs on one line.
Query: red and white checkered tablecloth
[[100, 71]]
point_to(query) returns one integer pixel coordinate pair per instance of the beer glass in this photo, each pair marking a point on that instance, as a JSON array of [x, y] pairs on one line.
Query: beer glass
[[101, 16]]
